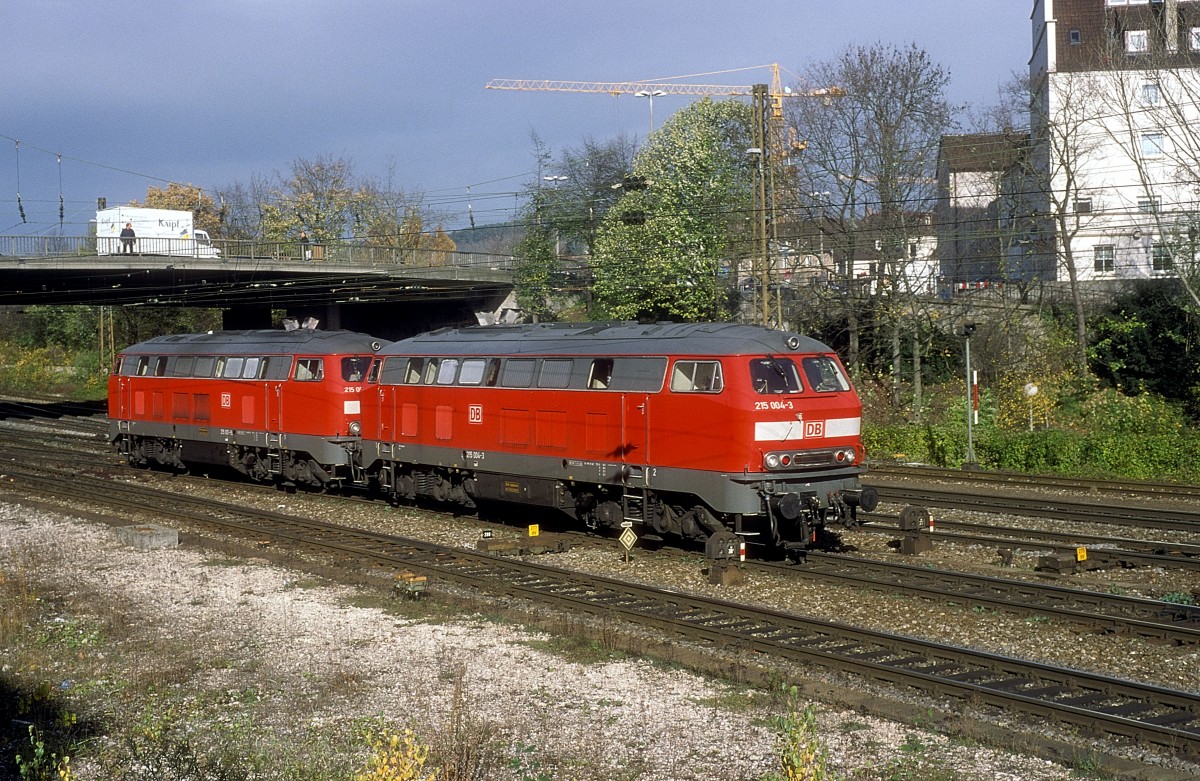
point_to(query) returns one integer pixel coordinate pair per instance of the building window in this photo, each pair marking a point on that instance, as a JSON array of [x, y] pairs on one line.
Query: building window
[[1160, 257], [1136, 42], [1083, 205], [1194, 38], [1076, 37], [1105, 258], [1152, 145], [1150, 93], [1149, 204]]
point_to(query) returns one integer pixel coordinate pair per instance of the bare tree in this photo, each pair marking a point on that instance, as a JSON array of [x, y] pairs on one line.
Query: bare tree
[[868, 162], [1064, 163]]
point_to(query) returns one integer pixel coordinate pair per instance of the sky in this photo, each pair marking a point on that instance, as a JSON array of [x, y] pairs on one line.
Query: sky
[[108, 98]]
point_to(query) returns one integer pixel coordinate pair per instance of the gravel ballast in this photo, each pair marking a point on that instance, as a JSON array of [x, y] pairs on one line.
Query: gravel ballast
[[314, 658]]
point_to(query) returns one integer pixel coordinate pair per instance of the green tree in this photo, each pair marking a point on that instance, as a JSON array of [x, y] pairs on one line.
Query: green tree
[[1150, 341], [683, 215], [317, 197], [536, 269]]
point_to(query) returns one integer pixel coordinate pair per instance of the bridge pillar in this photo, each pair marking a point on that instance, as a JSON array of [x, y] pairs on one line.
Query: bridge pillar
[[328, 316], [244, 317]]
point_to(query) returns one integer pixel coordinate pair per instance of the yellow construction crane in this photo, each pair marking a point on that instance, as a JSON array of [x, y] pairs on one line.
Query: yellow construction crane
[[653, 88], [669, 87]]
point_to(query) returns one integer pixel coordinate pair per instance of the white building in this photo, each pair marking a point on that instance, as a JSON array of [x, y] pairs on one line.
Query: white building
[[1116, 135]]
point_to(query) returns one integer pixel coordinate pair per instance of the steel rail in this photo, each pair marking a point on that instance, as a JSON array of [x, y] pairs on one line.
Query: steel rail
[[1099, 550], [1171, 519], [1041, 482], [1102, 705], [1108, 613]]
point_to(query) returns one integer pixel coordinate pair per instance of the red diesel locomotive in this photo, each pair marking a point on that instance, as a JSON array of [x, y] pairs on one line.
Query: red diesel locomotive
[[696, 430], [275, 405]]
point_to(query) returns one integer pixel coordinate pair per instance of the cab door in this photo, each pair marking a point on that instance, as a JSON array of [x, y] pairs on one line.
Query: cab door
[[635, 433], [123, 397], [273, 406]]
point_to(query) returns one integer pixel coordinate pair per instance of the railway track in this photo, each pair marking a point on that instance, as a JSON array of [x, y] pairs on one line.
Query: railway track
[[1158, 517], [1099, 486], [1106, 551], [1099, 612], [1092, 704]]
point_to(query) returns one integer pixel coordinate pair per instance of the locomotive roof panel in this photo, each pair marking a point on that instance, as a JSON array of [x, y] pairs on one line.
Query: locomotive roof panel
[[265, 342], [625, 338]]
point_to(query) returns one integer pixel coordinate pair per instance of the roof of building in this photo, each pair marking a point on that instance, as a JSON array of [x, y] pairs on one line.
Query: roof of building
[[982, 151]]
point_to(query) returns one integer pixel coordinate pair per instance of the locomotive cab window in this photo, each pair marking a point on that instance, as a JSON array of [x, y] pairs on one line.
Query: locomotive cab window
[[518, 372], [431, 369], [393, 371], [774, 375], [697, 377], [555, 373], [638, 374], [354, 368], [277, 367], [416, 368], [601, 373], [373, 372], [184, 364], [230, 368], [447, 371], [824, 375], [309, 370], [479, 371]]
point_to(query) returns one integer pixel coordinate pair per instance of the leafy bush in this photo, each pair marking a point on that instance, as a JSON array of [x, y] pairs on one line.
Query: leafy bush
[[49, 370]]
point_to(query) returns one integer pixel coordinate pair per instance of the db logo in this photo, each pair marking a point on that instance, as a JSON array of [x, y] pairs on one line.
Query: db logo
[[226, 400], [475, 413], [814, 428]]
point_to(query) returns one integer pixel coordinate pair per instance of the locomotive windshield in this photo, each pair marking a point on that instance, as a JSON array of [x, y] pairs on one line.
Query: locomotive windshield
[[354, 368], [774, 375], [824, 375]]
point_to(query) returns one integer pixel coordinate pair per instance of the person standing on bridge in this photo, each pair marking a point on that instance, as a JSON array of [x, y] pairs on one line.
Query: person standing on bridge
[[127, 239], [305, 252]]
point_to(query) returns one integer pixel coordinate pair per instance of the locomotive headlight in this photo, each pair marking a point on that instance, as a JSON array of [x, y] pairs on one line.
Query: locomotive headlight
[[850, 456], [355, 427], [772, 461]]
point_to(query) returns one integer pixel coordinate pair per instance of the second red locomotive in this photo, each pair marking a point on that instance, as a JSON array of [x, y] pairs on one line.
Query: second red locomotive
[[275, 405]]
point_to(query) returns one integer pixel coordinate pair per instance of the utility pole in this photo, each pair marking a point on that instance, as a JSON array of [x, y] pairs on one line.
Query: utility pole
[[762, 261], [969, 462]]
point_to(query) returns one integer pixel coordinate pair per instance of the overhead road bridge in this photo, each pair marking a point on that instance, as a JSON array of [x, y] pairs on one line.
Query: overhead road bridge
[[387, 292]]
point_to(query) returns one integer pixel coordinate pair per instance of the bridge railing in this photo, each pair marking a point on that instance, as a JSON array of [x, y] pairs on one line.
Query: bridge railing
[[347, 253]]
